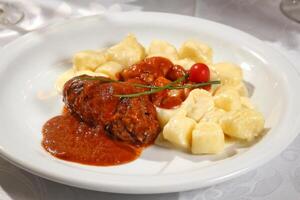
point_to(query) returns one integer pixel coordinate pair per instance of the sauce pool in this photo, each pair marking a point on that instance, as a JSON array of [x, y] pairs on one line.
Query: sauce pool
[[67, 138]]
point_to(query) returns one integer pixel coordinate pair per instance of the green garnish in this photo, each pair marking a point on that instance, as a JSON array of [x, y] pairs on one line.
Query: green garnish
[[154, 89]]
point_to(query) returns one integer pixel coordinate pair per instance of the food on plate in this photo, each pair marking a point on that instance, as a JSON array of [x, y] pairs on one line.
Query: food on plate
[[110, 68], [227, 100], [198, 103], [197, 51], [163, 49], [132, 120], [125, 98], [127, 52], [243, 123], [178, 131], [207, 138], [229, 73], [88, 60]]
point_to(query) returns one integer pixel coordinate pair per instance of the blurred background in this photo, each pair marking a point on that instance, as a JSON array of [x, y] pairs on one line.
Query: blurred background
[[268, 20]]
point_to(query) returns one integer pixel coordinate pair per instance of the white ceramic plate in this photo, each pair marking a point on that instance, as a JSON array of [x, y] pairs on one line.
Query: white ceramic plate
[[29, 66]]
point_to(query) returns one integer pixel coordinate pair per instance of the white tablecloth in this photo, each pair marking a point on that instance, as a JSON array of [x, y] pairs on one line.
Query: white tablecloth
[[277, 180]]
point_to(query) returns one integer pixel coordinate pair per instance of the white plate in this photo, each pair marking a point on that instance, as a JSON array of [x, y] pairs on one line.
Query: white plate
[[29, 66]]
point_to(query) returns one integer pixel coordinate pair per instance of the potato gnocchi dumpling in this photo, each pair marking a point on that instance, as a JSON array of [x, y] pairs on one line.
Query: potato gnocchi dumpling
[[197, 51], [127, 52], [198, 103], [178, 131], [229, 73], [186, 63], [164, 115], [110, 68], [161, 141], [227, 100], [215, 115], [214, 76], [246, 103], [207, 138], [88, 60], [245, 124], [239, 87], [163, 49]]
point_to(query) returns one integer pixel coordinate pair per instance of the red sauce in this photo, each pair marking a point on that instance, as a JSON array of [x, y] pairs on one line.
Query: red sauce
[[158, 71], [67, 138], [167, 98]]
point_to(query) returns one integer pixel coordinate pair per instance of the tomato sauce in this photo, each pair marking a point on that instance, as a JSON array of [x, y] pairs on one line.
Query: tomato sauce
[[158, 71], [69, 139]]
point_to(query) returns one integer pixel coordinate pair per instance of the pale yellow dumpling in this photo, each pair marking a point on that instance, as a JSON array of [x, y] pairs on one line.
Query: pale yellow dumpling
[[164, 115], [186, 63], [240, 87], [127, 52], [246, 102], [244, 123], [198, 103], [88, 60], [163, 49], [110, 68], [215, 115], [197, 51], [161, 141], [178, 131], [227, 100], [229, 73], [207, 138]]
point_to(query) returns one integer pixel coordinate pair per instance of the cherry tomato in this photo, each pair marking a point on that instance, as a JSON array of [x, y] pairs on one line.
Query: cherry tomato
[[199, 73]]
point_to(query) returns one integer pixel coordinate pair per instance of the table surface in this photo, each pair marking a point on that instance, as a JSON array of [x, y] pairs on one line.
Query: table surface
[[277, 180]]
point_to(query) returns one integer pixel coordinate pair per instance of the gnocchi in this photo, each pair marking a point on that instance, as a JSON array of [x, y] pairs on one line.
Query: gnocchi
[[215, 115], [207, 138], [110, 69], [127, 52], [239, 87], [178, 131], [88, 60], [162, 48], [197, 51], [227, 100], [164, 115], [198, 103], [186, 63], [229, 73], [244, 123]]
